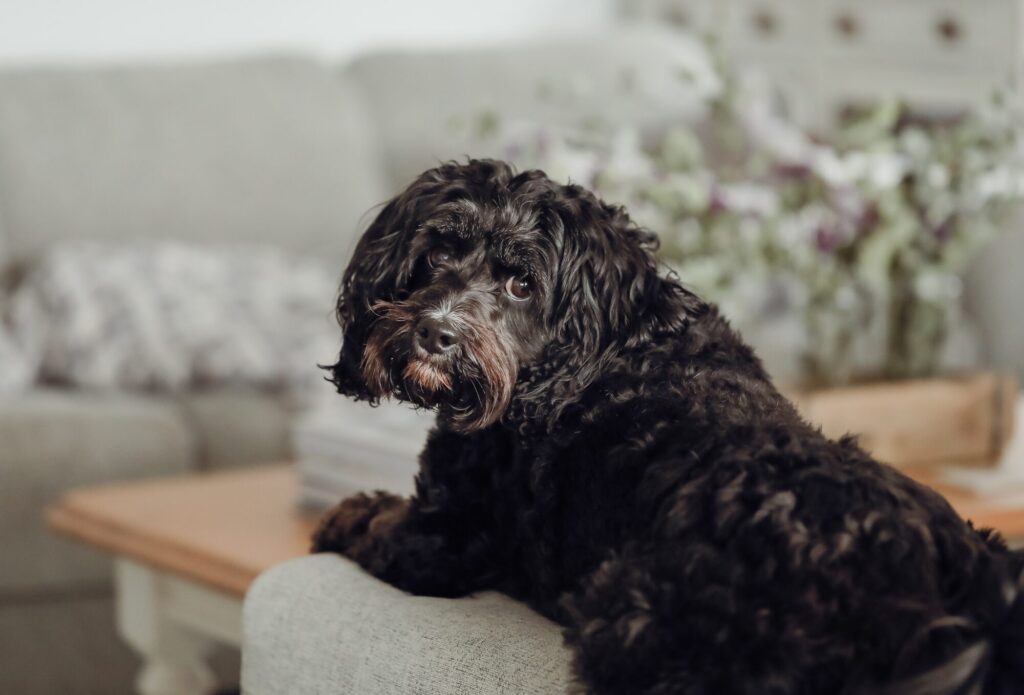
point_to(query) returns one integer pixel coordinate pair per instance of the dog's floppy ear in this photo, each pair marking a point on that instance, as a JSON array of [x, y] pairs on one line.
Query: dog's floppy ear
[[380, 270], [611, 291], [609, 296]]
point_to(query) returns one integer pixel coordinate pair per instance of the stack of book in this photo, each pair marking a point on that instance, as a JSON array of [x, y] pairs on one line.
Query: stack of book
[[348, 447]]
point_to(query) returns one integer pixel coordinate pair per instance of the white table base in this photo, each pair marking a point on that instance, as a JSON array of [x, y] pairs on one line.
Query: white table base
[[173, 623]]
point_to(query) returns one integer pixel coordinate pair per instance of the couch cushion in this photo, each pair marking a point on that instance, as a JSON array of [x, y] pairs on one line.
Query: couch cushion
[[55, 440], [425, 103], [3, 251], [238, 428], [70, 645], [320, 624], [270, 149], [64, 646]]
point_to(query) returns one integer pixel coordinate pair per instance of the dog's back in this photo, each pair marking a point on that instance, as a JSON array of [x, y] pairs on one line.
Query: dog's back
[[769, 559], [979, 650]]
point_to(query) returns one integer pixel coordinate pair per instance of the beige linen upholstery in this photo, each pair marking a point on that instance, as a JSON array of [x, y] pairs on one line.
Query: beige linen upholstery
[[63, 645], [55, 598], [69, 646], [321, 625], [54, 440], [237, 428]]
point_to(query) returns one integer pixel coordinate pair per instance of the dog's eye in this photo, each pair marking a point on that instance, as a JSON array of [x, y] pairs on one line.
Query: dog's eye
[[439, 256], [519, 288]]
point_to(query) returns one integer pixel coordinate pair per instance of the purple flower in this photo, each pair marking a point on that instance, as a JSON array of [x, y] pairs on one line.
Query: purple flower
[[791, 170], [716, 201], [869, 219], [543, 143], [944, 231], [826, 239]]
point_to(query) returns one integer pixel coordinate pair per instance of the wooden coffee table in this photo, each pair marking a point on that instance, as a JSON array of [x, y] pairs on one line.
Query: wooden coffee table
[[187, 548], [185, 551]]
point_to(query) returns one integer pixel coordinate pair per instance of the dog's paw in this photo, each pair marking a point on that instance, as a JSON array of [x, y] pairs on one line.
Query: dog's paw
[[355, 520]]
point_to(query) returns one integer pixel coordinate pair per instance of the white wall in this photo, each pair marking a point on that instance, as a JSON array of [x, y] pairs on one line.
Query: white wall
[[104, 30]]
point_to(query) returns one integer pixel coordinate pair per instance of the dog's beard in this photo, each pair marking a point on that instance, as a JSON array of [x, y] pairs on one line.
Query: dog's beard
[[426, 375], [471, 388]]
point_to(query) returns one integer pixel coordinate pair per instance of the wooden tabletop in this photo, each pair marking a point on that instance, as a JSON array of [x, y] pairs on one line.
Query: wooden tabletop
[[224, 529], [221, 529], [1003, 511]]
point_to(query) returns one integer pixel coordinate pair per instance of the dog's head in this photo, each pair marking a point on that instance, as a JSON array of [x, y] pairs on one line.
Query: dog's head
[[477, 279]]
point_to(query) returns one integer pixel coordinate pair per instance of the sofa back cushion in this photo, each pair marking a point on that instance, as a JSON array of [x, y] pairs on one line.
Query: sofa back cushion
[[3, 246], [425, 102], [271, 149]]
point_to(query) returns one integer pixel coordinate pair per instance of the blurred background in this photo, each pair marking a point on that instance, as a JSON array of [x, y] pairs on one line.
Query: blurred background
[[181, 184]]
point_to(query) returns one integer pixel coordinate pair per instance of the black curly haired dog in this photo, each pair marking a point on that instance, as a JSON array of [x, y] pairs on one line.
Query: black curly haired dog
[[608, 450]]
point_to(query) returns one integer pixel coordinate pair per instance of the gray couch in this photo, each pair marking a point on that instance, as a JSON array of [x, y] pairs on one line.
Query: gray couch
[[293, 152], [322, 625]]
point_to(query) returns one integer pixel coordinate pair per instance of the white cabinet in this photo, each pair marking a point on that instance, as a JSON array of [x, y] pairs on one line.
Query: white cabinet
[[939, 55], [981, 33]]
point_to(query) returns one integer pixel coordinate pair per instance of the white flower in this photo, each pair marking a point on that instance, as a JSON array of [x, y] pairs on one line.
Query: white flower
[[881, 170], [567, 163], [1001, 182], [886, 170], [936, 286], [937, 175], [778, 136], [797, 230], [832, 168], [916, 143], [627, 159], [693, 189], [749, 198]]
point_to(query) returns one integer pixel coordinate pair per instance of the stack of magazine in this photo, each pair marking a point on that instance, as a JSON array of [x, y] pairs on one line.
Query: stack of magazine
[[347, 447]]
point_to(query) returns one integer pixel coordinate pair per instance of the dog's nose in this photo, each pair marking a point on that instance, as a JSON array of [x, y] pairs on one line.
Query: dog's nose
[[436, 336]]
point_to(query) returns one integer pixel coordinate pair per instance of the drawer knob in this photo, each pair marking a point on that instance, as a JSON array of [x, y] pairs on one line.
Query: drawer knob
[[677, 16], [949, 29], [847, 25], [765, 22]]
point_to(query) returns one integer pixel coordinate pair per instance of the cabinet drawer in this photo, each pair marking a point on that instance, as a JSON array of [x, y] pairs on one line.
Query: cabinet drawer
[[753, 25], [974, 31], [692, 15]]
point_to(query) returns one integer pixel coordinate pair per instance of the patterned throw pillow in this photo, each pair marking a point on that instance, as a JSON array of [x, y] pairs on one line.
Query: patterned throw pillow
[[170, 316], [17, 367]]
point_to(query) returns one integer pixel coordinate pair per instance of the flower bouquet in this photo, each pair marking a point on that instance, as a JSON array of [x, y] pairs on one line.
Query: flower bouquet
[[841, 260]]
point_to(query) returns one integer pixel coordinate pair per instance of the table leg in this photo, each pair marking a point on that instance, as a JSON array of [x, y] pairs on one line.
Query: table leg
[[174, 656]]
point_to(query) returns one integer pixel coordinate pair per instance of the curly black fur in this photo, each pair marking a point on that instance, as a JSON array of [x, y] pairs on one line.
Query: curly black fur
[[610, 451]]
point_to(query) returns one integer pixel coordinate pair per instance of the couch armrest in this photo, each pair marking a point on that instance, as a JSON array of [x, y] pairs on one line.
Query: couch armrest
[[320, 624]]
